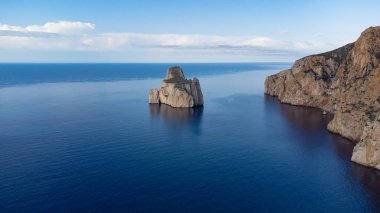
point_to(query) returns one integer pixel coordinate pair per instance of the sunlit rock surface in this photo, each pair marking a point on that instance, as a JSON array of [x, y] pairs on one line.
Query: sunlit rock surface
[[346, 82], [177, 91]]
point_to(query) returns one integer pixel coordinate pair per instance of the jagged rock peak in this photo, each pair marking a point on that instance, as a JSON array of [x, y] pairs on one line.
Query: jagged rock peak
[[174, 73]]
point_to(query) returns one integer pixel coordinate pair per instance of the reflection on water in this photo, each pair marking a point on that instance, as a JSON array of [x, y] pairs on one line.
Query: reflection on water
[[175, 115], [370, 180], [342, 146], [312, 120], [178, 116], [308, 118]]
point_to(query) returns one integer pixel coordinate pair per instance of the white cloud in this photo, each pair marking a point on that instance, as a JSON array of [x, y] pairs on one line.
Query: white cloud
[[304, 45], [261, 42], [79, 36], [38, 43], [60, 27], [120, 41]]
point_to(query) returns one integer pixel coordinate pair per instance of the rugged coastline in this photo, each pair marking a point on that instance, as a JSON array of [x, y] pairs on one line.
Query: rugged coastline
[[345, 82]]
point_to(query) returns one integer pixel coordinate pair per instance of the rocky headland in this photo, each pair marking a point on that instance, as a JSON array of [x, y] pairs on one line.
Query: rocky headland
[[177, 91], [345, 82]]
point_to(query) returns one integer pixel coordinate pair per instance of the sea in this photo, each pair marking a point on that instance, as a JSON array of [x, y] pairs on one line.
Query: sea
[[83, 138]]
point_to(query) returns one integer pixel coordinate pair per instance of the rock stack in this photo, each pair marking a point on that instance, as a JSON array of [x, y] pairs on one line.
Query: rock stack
[[177, 91]]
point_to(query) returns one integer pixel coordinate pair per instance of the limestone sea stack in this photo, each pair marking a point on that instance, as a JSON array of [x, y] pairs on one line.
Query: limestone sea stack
[[177, 91], [345, 82]]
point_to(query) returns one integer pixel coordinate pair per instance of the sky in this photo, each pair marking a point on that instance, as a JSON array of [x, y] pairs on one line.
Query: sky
[[138, 31]]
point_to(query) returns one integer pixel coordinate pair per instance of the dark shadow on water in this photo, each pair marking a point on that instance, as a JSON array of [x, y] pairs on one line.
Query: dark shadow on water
[[308, 119], [312, 120], [177, 117], [343, 146], [370, 179]]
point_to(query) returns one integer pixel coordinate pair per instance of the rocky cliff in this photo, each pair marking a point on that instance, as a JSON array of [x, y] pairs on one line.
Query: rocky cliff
[[177, 91], [345, 82]]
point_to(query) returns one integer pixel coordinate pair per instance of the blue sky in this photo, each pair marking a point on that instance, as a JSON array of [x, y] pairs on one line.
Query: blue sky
[[178, 31]]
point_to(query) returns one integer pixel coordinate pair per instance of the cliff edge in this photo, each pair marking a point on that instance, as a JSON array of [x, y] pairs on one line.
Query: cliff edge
[[345, 82]]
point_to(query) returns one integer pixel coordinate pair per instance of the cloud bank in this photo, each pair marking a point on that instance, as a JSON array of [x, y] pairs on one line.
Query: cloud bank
[[82, 37], [59, 27]]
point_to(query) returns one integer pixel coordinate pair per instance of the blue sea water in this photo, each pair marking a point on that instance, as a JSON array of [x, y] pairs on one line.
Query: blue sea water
[[83, 138]]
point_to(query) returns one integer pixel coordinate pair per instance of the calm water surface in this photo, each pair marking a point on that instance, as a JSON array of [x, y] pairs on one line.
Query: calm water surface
[[82, 138]]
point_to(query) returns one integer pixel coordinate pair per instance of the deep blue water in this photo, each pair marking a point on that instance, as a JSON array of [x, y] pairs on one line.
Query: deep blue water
[[82, 138]]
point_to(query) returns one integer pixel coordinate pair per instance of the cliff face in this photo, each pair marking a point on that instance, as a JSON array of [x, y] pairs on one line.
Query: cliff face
[[177, 91], [346, 82]]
